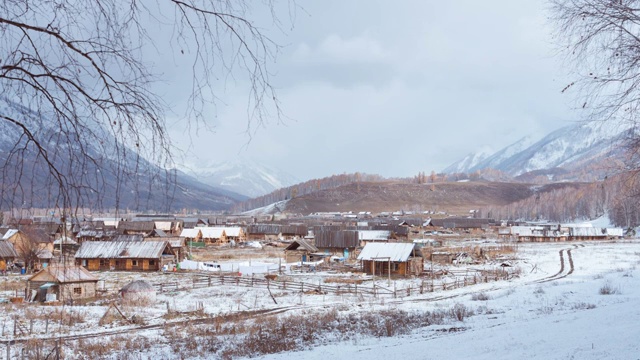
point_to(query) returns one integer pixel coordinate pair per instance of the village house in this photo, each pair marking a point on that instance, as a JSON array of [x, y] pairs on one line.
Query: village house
[[264, 232], [235, 233], [191, 235], [557, 233], [214, 235], [125, 255], [189, 223], [462, 223], [144, 228], [94, 235], [341, 243], [385, 259], [33, 246], [64, 283], [177, 245]]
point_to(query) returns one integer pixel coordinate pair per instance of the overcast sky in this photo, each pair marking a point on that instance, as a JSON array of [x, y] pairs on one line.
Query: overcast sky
[[394, 88]]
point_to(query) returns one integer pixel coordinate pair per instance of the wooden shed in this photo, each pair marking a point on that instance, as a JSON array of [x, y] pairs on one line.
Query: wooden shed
[[125, 255], [62, 283], [442, 257], [299, 250], [382, 259]]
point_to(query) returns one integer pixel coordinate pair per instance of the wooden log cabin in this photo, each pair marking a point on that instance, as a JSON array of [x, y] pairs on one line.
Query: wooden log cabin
[[383, 259], [65, 283], [125, 255]]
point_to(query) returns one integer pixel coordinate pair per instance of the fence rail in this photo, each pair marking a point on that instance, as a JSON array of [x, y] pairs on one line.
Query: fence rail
[[375, 290]]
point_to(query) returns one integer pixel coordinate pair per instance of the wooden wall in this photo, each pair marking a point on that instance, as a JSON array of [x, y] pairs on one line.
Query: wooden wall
[[120, 264]]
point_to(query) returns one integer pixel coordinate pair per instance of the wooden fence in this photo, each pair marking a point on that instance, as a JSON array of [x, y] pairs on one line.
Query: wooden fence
[[375, 290]]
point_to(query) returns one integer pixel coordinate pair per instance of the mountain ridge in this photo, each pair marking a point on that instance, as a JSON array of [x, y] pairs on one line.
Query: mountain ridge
[[572, 147]]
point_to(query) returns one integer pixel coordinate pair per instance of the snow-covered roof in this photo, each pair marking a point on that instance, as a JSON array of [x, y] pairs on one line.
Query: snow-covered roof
[[164, 225], [9, 234], [212, 232], [190, 233], [615, 232], [588, 231], [63, 274], [233, 231], [121, 250], [374, 235], [397, 252]]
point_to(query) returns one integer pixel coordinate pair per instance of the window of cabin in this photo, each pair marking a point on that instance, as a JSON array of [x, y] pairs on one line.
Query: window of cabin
[[152, 262], [77, 291], [104, 262], [134, 262]]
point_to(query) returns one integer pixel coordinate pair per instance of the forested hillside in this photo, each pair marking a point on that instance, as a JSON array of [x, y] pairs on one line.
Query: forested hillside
[[615, 196]]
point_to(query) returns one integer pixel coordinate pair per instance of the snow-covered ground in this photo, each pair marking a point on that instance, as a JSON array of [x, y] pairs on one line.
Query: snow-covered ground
[[553, 310], [566, 318]]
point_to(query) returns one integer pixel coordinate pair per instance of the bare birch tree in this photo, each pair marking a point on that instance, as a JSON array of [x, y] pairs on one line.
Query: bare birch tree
[[76, 90]]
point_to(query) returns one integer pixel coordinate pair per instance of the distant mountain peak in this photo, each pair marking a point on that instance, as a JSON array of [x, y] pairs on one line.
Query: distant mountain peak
[[571, 147], [243, 176]]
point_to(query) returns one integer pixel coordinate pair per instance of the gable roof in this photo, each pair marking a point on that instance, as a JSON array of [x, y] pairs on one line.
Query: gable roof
[[190, 233], [397, 252], [212, 232], [233, 231], [121, 249], [302, 243], [63, 274], [374, 235], [10, 232]]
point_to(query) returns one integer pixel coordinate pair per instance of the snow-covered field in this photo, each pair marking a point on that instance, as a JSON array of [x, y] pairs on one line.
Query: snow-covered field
[[566, 318], [553, 310]]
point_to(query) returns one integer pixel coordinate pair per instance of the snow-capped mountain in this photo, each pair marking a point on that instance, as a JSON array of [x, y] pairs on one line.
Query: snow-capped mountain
[[484, 159], [88, 171], [572, 147], [468, 162], [243, 177]]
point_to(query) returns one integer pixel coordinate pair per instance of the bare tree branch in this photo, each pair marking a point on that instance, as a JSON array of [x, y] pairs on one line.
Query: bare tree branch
[[82, 121]]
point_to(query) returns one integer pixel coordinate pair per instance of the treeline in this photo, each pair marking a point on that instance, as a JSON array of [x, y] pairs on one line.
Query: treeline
[[305, 188], [616, 196]]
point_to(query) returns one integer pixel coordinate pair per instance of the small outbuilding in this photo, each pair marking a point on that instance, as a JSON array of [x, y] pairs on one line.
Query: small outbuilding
[[64, 283], [300, 250], [138, 292], [382, 259]]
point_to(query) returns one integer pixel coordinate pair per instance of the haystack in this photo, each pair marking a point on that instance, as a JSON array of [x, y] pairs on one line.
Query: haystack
[[138, 292]]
